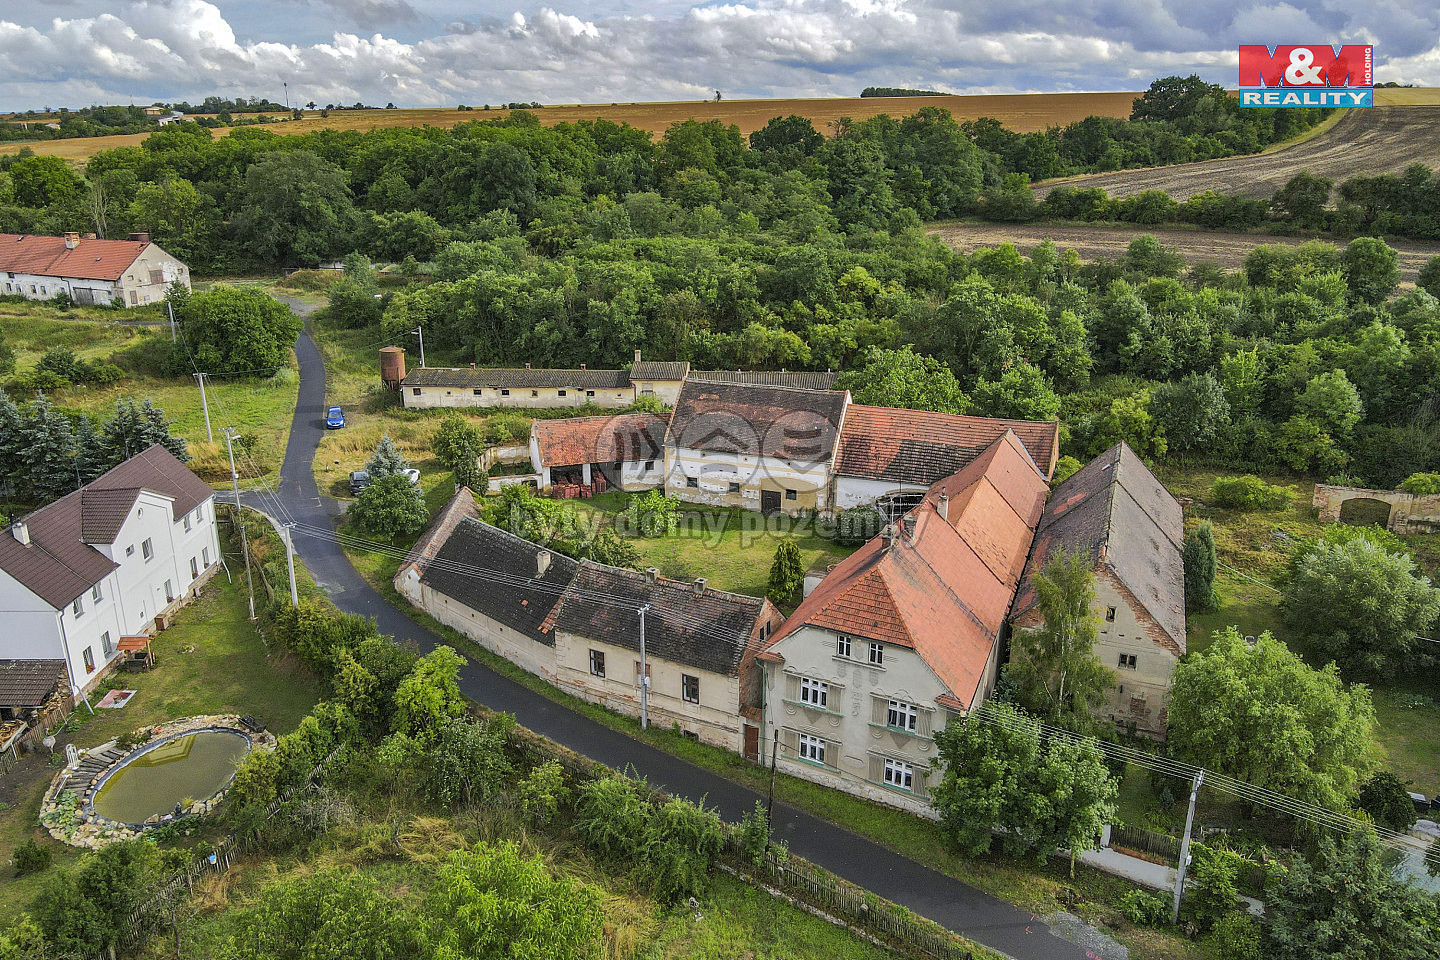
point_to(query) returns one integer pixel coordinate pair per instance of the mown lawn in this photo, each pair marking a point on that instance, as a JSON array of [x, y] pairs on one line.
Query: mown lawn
[[212, 660]]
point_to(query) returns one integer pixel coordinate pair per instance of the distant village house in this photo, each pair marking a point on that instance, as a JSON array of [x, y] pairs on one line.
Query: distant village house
[[89, 271]]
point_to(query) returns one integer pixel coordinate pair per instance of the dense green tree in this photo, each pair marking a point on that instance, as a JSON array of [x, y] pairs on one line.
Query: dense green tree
[[135, 427], [458, 444], [903, 378], [1054, 667], [1332, 401], [1346, 902], [87, 911], [1193, 412], [40, 181], [429, 698], [295, 208], [331, 913], [787, 135], [1199, 559], [787, 573], [469, 763], [1260, 714], [1429, 277], [1387, 799], [1022, 392], [1372, 269], [386, 460], [241, 331], [1302, 201], [1354, 601], [391, 507], [1079, 798], [986, 771]]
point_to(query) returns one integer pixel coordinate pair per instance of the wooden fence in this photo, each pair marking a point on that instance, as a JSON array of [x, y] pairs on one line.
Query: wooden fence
[[1146, 841]]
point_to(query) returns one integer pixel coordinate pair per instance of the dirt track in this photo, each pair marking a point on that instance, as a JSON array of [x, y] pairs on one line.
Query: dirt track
[[1227, 250], [1378, 140]]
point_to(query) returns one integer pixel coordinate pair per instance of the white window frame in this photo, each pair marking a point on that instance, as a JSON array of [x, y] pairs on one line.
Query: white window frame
[[898, 774], [842, 645], [96, 594], [205, 556], [147, 549], [814, 693], [902, 715], [597, 657], [106, 646], [877, 654], [810, 747], [77, 608], [687, 680], [186, 521]]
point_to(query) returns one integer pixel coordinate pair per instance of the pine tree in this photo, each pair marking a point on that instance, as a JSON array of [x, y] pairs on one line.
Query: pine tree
[[90, 459], [387, 460], [1199, 560], [787, 574], [42, 463], [136, 427]]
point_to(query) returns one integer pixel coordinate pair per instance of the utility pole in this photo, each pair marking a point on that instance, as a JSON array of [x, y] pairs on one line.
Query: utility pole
[[421, 334], [290, 563], [644, 672], [240, 519], [770, 800], [170, 309], [205, 405], [1185, 846]]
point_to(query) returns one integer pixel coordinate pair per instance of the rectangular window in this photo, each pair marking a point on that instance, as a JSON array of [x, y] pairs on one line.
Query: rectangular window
[[877, 653], [1109, 614], [95, 593], [842, 646], [790, 495], [816, 693], [415, 391], [205, 556], [194, 568], [811, 748], [649, 465], [534, 393], [147, 549], [900, 774], [692, 483], [597, 663], [764, 632], [106, 647], [690, 688], [199, 514], [186, 521], [637, 672], [734, 488], [589, 393], [901, 715], [130, 550], [1127, 661], [89, 657], [561, 393], [504, 393], [169, 592], [479, 392], [78, 607]]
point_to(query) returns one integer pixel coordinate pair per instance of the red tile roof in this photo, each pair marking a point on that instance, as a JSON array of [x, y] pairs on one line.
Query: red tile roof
[[921, 446], [944, 588], [48, 257], [626, 436]]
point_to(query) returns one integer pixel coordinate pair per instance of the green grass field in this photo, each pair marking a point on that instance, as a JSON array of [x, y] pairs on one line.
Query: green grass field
[[212, 660]]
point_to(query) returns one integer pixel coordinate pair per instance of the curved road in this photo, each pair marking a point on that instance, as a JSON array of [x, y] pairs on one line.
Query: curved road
[[929, 893]]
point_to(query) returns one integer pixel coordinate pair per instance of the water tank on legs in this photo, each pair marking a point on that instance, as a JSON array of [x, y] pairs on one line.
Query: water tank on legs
[[392, 366]]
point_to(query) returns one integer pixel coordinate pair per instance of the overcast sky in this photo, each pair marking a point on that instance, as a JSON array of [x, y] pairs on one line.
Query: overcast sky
[[443, 52]]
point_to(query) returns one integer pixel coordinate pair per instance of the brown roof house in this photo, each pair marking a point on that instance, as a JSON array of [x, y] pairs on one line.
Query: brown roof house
[[904, 633], [627, 448], [578, 624], [758, 447], [889, 456], [105, 562], [89, 271], [1116, 514]]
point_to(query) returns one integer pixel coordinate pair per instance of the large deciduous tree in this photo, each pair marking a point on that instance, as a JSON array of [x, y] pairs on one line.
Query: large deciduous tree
[[1055, 670], [1260, 714], [231, 330], [390, 507], [904, 378], [295, 208]]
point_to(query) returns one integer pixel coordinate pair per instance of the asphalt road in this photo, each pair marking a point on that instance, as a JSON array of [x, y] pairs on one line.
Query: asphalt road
[[929, 893]]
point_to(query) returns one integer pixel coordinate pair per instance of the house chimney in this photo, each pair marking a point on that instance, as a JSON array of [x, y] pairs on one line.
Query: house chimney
[[472, 364], [700, 585], [637, 354], [652, 574], [72, 240], [942, 506], [582, 366], [542, 563], [140, 237], [527, 365], [887, 534], [908, 523], [21, 532]]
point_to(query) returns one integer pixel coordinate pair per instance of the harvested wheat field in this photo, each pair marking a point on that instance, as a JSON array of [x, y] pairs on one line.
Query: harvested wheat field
[[1022, 112], [1383, 139], [1223, 248]]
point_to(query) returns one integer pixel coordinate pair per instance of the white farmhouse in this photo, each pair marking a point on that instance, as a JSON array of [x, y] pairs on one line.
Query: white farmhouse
[[111, 560], [89, 271]]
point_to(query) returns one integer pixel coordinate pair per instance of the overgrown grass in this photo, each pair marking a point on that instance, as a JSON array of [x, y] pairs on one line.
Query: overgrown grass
[[212, 660]]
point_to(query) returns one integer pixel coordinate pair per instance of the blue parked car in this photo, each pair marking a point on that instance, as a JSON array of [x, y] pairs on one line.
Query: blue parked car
[[334, 418]]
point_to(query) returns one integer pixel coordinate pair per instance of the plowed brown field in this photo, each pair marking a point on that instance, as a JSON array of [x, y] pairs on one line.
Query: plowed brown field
[[1022, 112], [1225, 249]]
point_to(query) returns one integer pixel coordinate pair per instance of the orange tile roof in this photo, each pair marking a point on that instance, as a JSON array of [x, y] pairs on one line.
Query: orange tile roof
[[921, 446], [626, 436], [48, 257], [943, 589]]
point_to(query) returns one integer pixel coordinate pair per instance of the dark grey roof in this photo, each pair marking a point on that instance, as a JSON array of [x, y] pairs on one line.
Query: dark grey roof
[[26, 683], [1116, 512], [497, 574], [59, 564], [496, 377], [682, 626], [786, 422], [810, 380], [660, 370]]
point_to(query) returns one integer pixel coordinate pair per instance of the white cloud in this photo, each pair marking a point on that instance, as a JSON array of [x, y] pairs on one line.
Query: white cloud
[[622, 50]]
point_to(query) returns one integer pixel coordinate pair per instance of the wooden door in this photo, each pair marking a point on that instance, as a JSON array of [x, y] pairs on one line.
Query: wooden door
[[769, 501], [752, 742]]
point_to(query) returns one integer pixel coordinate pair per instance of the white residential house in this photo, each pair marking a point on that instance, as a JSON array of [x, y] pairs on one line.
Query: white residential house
[[111, 560], [89, 271]]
